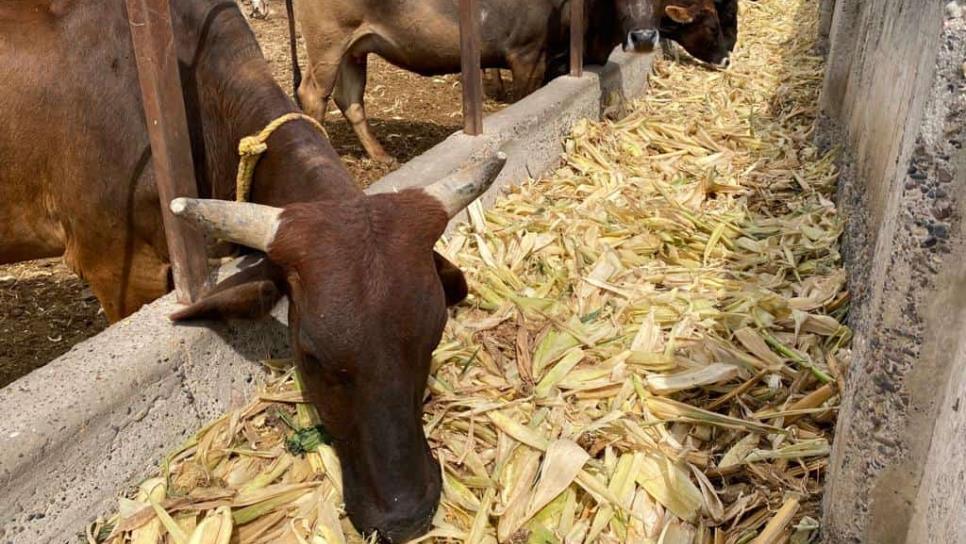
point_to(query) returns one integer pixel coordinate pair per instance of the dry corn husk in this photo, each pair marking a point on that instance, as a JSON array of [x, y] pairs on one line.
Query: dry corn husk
[[645, 355]]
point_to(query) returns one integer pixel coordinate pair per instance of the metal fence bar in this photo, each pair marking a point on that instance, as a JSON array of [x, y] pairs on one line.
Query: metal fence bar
[[154, 49], [577, 38], [470, 45]]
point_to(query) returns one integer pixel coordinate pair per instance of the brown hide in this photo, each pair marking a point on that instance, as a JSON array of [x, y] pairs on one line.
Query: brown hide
[[368, 294], [530, 38], [423, 36], [728, 17], [374, 270], [76, 178]]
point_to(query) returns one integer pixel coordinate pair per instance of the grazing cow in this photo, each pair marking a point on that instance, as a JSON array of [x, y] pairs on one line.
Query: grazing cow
[[526, 37], [367, 293], [707, 29], [423, 36]]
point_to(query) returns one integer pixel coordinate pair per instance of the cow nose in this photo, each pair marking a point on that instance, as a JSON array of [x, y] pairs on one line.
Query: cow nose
[[642, 41], [725, 63], [407, 520], [396, 516]]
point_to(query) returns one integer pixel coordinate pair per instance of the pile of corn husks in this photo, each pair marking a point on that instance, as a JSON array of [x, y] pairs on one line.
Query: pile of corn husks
[[651, 354]]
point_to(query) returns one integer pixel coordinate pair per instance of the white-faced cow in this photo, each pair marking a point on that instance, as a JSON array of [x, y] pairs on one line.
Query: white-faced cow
[[523, 36], [707, 29], [259, 9], [368, 294]]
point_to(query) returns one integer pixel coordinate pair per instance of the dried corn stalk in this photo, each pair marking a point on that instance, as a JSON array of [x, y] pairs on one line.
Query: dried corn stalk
[[650, 353]]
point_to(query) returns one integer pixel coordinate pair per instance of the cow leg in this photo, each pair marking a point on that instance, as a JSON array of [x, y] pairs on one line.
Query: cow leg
[[529, 69], [313, 95], [349, 96], [319, 83], [497, 87]]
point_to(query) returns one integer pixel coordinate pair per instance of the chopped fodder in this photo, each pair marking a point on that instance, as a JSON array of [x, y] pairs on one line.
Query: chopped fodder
[[652, 351]]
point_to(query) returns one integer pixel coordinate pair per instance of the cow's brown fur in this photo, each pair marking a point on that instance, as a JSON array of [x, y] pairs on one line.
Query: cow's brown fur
[[76, 178], [367, 293], [728, 17], [423, 36], [529, 38], [698, 27]]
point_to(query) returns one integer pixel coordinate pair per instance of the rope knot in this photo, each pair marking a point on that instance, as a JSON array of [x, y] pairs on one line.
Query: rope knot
[[251, 148]]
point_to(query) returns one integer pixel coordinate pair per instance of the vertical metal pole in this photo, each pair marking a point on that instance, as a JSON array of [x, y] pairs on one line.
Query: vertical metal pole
[[577, 38], [154, 50], [470, 44]]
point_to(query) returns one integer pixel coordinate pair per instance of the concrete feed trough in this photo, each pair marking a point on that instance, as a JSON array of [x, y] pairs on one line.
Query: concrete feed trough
[[94, 421], [895, 100]]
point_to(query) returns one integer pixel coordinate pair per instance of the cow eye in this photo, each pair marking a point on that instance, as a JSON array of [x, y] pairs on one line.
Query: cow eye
[[329, 373]]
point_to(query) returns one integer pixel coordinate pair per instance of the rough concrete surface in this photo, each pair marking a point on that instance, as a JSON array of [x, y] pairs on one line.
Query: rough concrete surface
[[76, 432], [895, 101], [79, 431]]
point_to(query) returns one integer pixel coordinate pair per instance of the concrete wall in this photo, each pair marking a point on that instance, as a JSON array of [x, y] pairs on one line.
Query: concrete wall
[[895, 101], [78, 432]]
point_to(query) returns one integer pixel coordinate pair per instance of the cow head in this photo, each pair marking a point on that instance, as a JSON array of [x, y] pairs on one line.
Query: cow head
[[696, 26], [638, 25], [259, 9], [367, 307]]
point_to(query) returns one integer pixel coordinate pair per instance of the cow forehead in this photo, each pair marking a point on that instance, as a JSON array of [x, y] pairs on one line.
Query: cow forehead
[[636, 7], [357, 305], [337, 234]]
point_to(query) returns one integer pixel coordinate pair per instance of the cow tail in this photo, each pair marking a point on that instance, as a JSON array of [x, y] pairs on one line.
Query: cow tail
[[293, 44]]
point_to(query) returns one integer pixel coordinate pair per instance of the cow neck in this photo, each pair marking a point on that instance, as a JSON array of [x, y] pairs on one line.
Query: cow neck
[[230, 94]]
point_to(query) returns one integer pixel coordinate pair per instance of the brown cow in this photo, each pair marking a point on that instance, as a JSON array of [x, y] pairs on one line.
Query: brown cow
[[423, 36], [707, 29], [367, 293]]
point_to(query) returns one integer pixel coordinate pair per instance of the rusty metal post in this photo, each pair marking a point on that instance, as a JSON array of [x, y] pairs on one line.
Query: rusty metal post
[[577, 25], [470, 44], [154, 50]]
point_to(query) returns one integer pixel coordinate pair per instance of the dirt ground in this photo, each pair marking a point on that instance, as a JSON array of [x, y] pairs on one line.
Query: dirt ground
[[45, 309]]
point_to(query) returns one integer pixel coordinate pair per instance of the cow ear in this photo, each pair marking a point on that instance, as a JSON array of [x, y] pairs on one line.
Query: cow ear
[[679, 14], [249, 294], [251, 300], [454, 283]]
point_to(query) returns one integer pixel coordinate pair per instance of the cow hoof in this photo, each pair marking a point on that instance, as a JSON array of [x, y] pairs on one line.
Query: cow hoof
[[384, 158]]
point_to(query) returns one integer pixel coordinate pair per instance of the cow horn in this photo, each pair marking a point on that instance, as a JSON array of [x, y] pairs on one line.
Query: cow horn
[[251, 225], [459, 190]]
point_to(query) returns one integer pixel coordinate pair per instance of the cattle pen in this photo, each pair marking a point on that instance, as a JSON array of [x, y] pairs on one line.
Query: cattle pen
[[708, 306]]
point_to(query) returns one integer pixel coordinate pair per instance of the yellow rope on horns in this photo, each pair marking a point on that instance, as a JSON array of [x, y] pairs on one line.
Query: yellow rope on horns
[[251, 148]]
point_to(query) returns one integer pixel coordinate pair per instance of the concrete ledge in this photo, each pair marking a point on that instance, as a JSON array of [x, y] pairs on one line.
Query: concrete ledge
[[76, 433]]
